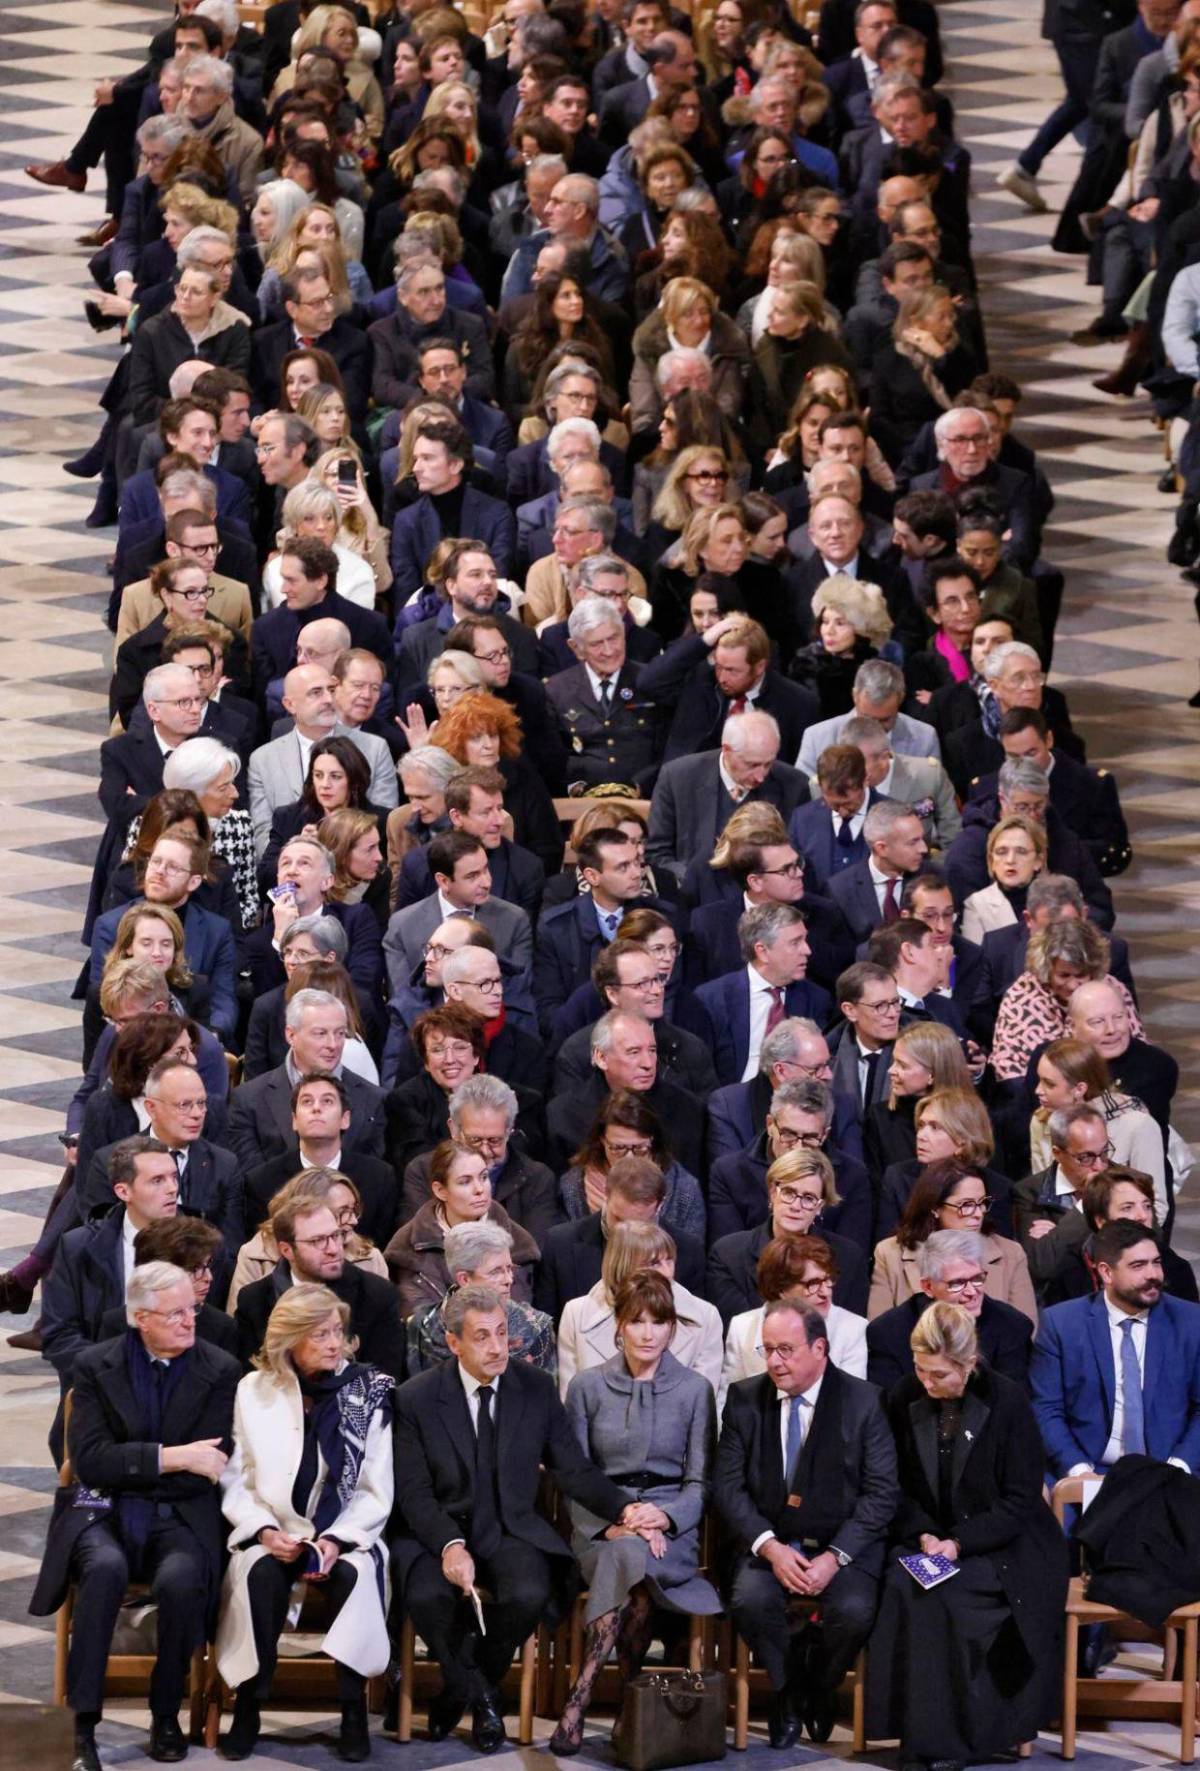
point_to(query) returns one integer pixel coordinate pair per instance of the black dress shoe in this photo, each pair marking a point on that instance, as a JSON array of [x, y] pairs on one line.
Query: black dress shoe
[[14, 1298], [487, 1725], [86, 1757], [783, 1724], [242, 1737], [354, 1740], [445, 1713], [819, 1713], [98, 320], [167, 1744]]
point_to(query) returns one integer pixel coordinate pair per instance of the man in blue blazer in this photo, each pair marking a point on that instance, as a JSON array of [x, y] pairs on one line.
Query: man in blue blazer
[[529, 473], [308, 573], [869, 892], [447, 507], [175, 870], [475, 803], [746, 1005], [1119, 1372], [187, 427], [828, 831]]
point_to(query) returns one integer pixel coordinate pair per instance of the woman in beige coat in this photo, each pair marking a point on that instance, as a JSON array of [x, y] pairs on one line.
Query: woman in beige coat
[[587, 1329], [948, 1195]]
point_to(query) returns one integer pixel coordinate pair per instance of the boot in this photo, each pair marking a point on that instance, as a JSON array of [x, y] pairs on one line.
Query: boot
[[1124, 379], [1183, 549], [104, 512], [242, 1737], [354, 1740]]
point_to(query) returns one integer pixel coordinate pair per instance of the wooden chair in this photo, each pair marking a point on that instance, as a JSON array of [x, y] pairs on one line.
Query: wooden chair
[[125, 1674], [741, 1696], [567, 810], [1125, 1699], [408, 1666]]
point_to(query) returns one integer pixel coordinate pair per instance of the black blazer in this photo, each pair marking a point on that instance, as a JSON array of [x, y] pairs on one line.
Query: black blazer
[[889, 1135], [897, 1184], [374, 1315], [749, 1487], [345, 343], [435, 1463], [260, 1118], [517, 876], [1005, 1340], [375, 1180], [737, 1196], [214, 1326], [131, 772], [572, 1255], [683, 1058], [569, 1119], [527, 1191], [682, 677], [733, 1263], [109, 1453]]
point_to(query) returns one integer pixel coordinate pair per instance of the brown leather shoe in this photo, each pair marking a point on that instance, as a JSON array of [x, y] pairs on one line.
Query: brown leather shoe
[[59, 174], [99, 236]]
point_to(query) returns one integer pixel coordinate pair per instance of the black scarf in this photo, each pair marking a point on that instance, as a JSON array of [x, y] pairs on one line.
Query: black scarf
[[152, 1394], [817, 1502]]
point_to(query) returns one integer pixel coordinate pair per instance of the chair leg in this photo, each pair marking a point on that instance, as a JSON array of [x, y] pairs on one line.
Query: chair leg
[[1187, 1706], [741, 1695], [529, 1659], [62, 1644], [1070, 1688], [198, 1691], [858, 1705], [408, 1653], [1170, 1653], [696, 1645]]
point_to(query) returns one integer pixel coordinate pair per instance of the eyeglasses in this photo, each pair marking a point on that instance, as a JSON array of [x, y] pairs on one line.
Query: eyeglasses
[[1091, 1158], [199, 1105], [969, 1208], [169, 869], [889, 1006], [434, 950], [173, 1318], [643, 986], [643, 1147], [814, 1287], [709, 475], [1025, 679], [791, 870], [202, 594], [189, 547], [801, 1140], [972, 1282], [783, 1351], [491, 985], [479, 1144], [189, 703], [500, 656], [789, 1196], [332, 1240]]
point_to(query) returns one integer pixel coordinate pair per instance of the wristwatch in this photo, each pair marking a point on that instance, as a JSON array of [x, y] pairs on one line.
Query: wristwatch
[[840, 1556]]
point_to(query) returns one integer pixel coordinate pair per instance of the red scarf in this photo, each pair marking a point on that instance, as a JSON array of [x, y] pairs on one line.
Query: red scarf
[[492, 1029]]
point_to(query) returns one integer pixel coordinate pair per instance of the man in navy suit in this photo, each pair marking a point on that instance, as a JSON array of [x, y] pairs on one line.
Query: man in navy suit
[[131, 765], [744, 1006], [187, 427], [261, 1123], [531, 473], [1098, 1361], [927, 897], [828, 831], [447, 507], [909, 949], [475, 803], [951, 1265], [442, 373], [796, 1051], [307, 866], [311, 321], [800, 1116], [869, 892], [853, 76], [308, 574], [706, 677], [695, 796]]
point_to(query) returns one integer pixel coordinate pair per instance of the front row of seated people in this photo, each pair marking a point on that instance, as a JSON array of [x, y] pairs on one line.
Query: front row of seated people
[[237, 1466]]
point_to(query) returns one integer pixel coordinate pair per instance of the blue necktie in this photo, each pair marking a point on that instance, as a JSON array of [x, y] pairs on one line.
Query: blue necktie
[[609, 920], [1133, 1425], [795, 1438], [845, 836]]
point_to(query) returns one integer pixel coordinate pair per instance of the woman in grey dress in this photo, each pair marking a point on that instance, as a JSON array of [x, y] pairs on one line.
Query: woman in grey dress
[[650, 1424]]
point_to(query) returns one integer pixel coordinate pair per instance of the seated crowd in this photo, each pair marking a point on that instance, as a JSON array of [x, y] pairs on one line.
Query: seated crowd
[[600, 963]]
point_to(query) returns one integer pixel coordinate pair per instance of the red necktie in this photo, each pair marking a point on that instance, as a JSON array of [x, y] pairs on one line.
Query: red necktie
[[736, 706], [891, 910], [306, 343], [777, 1011]]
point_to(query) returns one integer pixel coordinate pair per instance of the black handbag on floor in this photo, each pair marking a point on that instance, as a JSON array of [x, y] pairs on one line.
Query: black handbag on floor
[[671, 1719]]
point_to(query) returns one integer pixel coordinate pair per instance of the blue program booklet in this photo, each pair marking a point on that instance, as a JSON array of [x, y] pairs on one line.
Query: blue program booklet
[[929, 1571]]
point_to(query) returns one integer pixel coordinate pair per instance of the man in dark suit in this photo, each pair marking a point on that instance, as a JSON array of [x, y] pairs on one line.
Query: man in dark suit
[[706, 677], [422, 319], [806, 1487], [828, 831], [321, 1118], [471, 1437], [769, 986], [530, 473], [868, 893], [1128, 1327], [963, 437], [446, 506], [474, 616], [131, 765], [695, 796], [836, 530], [309, 1239], [260, 1119], [193, 427], [952, 1265], [572, 1254], [194, 1246], [311, 321], [308, 573], [475, 803], [626, 976], [838, 32], [151, 1425], [609, 728], [625, 1057], [1084, 799], [927, 897], [796, 1051], [909, 950], [799, 1116], [861, 1048]]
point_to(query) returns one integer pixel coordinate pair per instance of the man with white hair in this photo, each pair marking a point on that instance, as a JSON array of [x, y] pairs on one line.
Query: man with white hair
[[131, 766], [522, 204], [151, 1432], [305, 872], [695, 796], [952, 1268], [572, 217], [837, 543], [964, 447], [604, 575], [1015, 678], [681, 368], [625, 1060], [423, 312], [611, 731]]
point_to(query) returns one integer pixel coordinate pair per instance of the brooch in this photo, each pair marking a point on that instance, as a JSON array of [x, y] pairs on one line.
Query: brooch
[[627, 694]]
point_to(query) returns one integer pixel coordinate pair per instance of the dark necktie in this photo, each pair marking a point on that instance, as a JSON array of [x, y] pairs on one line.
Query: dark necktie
[[1133, 1425], [484, 1539], [777, 1011], [891, 910], [795, 1440], [845, 836], [181, 1171], [606, 695], [869, 1086]]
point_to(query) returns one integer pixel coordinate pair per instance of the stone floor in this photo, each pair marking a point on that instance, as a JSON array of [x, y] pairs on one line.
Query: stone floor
[[1126, 655]]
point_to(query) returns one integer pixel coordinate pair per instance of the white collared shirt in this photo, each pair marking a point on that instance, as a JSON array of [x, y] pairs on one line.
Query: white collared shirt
[[870, 68], [1112, 1450], [335, 1161], [881, 882], [737, 794], [471, 1388], [1064, 1191], [594, 682], [807, 1402], [761, 1002], [850, 568], [166, 749], [449, 910], [857, 819], [864, 1070]]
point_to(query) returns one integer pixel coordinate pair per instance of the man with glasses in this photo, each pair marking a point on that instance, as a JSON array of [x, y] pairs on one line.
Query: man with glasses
[[573, 1253], [483, 1115], [796, 1051], [612, 578], [952, 1269], [1014, 679], [131, 765], [626, 976], [964, 447], [927, 897], [320, 1119], [313, 322], [192, 534], [799, 1118], [312, 1251], [1048, 1206], [862, 1046], [769, 986]]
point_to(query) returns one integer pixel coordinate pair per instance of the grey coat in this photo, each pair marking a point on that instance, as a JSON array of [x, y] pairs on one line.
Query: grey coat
[[410, 928], [655, 1439]]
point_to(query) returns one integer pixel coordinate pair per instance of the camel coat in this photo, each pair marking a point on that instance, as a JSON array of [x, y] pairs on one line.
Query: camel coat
[[894, 1277]]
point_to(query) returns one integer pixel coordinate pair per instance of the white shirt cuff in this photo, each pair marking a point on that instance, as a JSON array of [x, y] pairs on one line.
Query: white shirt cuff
[[1180, 1465], [1081, 1470], [762, 1538]]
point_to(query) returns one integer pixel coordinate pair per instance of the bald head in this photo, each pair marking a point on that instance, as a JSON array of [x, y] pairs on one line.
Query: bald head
[[308, 697], [1099, 1014], [321, 641]]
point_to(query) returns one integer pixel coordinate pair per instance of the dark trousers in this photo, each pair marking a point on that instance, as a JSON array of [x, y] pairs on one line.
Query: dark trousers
[[760, 1611], [518, 1577], [1077, 57], [270, 1587], [172, 1563]]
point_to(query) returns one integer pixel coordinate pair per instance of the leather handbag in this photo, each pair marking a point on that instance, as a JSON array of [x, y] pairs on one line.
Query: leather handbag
[[671, 1719]]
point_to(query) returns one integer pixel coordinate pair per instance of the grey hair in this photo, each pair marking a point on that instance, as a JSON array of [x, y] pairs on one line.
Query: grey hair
[[584, 190], [471, 1297], [891, 85], [314, 999], [1063, 1118], [604, 1031], [311, 842], [465, 1246], [949, 1245], [1019, 773], [223, 13], [439, 765], [1047, 891], [197, 762], [468, 670], [407, 268], [548, 163], [288, 199], [569, 366], [883, 818], [193, 243], [438, 178], [781, 1044], [946, 419], [860, 730], [572, 427], [998, 657], [591, 614], [214, 73], [696, 199], [877, 681], [158, 681], [185, 482], [815, 1326], [145, 1283], [163, 132], [763, 926], [679, 358], [461, 961], [805, 1096], [491, 1093], [601, 517], [309, 499], [328, 935], [739, 727], [583, 576]]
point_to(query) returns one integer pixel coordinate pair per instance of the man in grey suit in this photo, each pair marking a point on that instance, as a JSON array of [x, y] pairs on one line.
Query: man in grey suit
[[277, 769], [458, 863], [917, 781], [878, 691], [695, 796], [261, 1117]]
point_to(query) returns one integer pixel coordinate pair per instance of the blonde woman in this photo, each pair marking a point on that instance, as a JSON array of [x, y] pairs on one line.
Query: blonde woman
[[1016, 854], [360, 875], [359, 529], [307, 1493], [852, 624], [328, 1186], [455, 103], [336, 29], [310, 240], [795, 258], [688, 318], [587, 1330], [950, 1122], [311, 509], [925, 1056], [915, 378], [698, 479]]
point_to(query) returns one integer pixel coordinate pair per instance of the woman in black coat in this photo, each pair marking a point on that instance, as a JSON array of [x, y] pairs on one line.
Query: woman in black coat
[[197, 324], [971, 1667], [925, 1056]]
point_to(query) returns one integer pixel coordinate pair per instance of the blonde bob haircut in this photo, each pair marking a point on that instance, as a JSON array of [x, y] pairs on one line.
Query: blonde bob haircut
[[946, 1331], [681, 295], [964, 1118], [754, 822], [630, 1249], [804, 1165], [699, 531], [671, 507], [1017, 821], [300, 1312], [937, 1050], [859, 603]]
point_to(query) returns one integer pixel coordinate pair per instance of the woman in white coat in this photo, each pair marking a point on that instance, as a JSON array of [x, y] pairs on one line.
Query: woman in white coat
[[802, 1269], [307, 1493], [587, 1328]]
